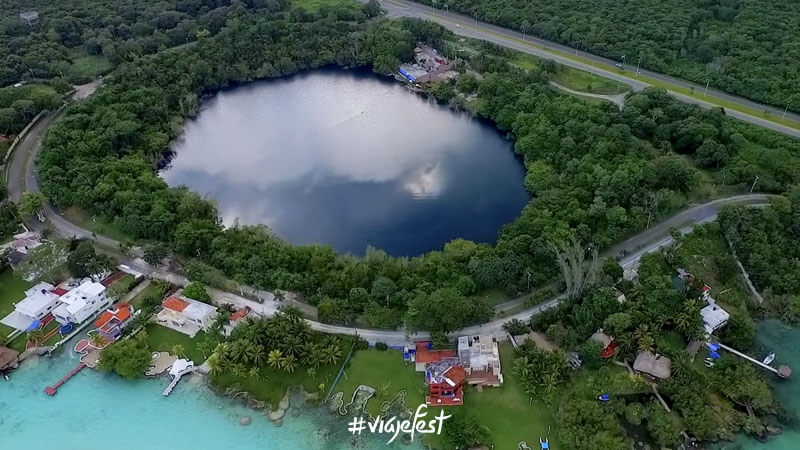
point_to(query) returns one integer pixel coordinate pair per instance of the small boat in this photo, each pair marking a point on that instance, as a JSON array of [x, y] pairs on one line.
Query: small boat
[[544, 443], [768, 360]]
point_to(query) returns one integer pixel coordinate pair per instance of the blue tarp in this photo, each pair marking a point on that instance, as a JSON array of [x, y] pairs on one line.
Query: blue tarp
[[604, 398], [713, 346], [713, 354], [34, 325]]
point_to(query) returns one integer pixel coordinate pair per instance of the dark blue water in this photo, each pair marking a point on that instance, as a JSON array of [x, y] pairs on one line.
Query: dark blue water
[[350, 160]]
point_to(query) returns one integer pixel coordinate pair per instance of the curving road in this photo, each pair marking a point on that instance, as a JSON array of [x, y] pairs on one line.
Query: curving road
[[469, 27], [22, 177]]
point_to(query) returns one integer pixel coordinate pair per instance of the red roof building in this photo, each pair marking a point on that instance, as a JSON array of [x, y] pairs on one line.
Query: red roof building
[[445, 379], [111, 322], [426, 355], [175, 304]]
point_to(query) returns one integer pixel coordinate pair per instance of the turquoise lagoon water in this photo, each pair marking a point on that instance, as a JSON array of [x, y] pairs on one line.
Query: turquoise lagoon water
[[785, 342], [99, 411]]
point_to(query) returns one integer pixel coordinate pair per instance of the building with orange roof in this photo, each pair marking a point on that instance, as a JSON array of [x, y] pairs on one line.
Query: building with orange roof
[[445, 379], [113, 320], [425, 354], [186, 315]]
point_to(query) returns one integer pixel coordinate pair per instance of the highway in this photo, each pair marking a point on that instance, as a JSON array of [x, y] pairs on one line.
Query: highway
[[469, 27]]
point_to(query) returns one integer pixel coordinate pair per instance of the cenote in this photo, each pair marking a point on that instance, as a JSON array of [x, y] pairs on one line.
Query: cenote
[[352, 160]]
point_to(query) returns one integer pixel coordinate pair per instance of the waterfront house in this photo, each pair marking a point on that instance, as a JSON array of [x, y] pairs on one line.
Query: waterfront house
[[186, 315], [655, 366], [480, 359], [81, 303], [445, 379], [39, 301], [113, 320], [238, 317], [425, 354]]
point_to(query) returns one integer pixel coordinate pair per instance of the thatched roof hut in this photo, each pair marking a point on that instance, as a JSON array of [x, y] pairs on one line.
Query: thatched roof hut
[[656, 366], [8, 358]]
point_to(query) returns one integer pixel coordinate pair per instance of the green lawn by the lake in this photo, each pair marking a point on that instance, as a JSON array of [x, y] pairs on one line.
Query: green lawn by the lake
[[12, 290], [163, 339]]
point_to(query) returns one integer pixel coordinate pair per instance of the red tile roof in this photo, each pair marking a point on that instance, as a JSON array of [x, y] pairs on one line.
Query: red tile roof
[[59, 291], [240, 313], [428, 356], [456, 374], [122, 312], [175, 304]]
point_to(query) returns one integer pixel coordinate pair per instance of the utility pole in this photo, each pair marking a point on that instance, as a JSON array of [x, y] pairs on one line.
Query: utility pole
[[706, 89], [754, 184], [785, 110], [433, 7], [476, 19], [638, 63]]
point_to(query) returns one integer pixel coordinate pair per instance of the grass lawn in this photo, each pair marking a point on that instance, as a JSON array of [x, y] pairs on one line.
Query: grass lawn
[[12, 290], [95, 224], [87, 67], [121, 286], [272, 384], [162, 339], [507, 411], [387, 373], [579, 80], [151, 290], [574, 79]]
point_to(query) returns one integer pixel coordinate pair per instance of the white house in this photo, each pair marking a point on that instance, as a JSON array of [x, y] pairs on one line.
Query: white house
[[714, 317], [481, 359], [38, 302], [186, 315], [81, 303]]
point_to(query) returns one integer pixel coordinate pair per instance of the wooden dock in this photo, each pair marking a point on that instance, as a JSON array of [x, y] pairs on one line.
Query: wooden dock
[[782, 371], [51, 390]]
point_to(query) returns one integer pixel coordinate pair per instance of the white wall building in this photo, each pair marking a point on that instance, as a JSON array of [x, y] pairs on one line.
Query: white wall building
[[480, 357], [38, 302], [186, 315], [81, 303]]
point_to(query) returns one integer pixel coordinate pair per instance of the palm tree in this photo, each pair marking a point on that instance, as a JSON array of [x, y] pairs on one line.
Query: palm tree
[[215, 365], [331, 354], [311, 372], [257, 354], [253, 373], [292, 344], [274, 358], [36, 335], [239, 370], [288, 363], [97, 340], [644, 339], [178, 350]]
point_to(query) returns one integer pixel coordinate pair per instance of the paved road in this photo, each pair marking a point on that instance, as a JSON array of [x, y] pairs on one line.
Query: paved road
[[467, 26], [646, 241]]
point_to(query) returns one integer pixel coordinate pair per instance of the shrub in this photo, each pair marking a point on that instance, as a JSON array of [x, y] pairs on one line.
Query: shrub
[[381, 346]]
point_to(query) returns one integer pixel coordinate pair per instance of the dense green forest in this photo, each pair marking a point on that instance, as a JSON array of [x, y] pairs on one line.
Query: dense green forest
[[18, 105], [594, 171], [749, 48], [767, 241], [84, 38]]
